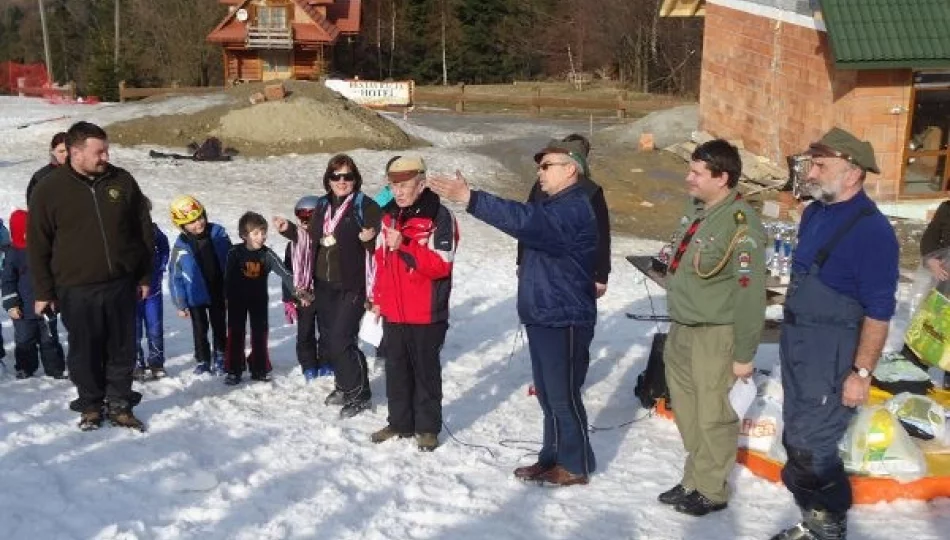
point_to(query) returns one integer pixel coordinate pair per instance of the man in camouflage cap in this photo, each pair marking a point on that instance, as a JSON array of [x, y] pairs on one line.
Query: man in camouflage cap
[[837, 309], [716, 298]]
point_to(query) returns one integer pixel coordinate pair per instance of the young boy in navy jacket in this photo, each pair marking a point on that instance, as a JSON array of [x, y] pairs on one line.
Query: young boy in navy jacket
[[36, 335], [196, 280], [150, 316]]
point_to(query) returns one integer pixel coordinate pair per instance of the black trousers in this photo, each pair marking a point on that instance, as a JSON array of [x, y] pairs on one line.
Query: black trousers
[[414, 376], [38, 340], [203, 317], [311, 353], [100, 319], [339, 312], [240, 309]]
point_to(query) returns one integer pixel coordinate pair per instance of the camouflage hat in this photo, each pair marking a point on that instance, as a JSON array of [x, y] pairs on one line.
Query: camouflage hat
[[841, 144], [573, 149]]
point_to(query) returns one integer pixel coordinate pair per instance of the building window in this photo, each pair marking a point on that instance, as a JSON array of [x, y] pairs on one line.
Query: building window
[[272, 17], [927, 156]]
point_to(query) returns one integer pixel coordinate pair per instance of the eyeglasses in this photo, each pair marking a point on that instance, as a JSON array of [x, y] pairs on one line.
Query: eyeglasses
[[342, 177], [304, 214], [546, 166]]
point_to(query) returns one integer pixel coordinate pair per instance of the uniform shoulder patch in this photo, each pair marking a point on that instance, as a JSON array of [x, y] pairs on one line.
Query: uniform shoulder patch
[[740, 217]]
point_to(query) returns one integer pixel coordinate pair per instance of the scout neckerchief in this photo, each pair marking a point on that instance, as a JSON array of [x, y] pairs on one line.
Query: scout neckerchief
[[330, 221], [687, 238]]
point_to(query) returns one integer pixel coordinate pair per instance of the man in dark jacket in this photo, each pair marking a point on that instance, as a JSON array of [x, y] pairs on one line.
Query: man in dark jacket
[[90, 253], [556, 298], [599, 204]]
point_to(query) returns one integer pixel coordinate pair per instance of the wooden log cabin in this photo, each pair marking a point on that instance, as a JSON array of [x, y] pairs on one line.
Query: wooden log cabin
[[264, 40]]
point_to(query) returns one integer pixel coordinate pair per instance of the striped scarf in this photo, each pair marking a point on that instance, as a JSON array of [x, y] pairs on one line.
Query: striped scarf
[[302, 260]]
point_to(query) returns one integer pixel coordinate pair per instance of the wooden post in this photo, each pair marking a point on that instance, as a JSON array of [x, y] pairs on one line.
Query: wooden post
[[71, 90], [460, 99], [621, 106], [174, 84], [536, 109], [122, 91]]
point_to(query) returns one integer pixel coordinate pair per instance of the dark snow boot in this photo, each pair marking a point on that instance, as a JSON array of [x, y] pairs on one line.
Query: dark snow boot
[[141, 374], [354, 407], [817, 525], [336, 398], [122, 416]]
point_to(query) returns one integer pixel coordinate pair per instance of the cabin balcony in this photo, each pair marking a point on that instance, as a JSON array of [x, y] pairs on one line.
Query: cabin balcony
[[264, 37]]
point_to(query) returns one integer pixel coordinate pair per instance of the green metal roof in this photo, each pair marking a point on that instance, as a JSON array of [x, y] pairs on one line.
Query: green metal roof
[[886, 34]]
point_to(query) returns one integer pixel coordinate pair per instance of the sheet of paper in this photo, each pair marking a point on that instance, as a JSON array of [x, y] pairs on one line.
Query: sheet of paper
[[371, 329]]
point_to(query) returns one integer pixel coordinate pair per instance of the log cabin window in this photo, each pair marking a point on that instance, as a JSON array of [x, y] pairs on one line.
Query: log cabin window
[[272, 17]]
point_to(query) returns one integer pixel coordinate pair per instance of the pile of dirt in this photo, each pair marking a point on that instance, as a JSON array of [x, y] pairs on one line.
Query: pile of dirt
[[311, 119]]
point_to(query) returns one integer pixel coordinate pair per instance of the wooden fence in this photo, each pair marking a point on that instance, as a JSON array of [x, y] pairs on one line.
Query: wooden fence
[[536, 101], [126, 92]]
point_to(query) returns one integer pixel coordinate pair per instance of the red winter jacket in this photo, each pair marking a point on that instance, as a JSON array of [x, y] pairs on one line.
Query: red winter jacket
[[412, 284]]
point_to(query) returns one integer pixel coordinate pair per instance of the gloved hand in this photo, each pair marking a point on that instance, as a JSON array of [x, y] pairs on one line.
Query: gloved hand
[[290, 311]]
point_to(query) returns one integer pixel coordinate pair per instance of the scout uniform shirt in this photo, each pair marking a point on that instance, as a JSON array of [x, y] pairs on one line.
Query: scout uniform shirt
[[717, 273]]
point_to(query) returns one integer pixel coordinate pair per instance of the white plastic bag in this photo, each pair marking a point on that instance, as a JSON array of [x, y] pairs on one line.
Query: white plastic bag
[[761, 428], [876, 445], [741, 396], [919, 414]]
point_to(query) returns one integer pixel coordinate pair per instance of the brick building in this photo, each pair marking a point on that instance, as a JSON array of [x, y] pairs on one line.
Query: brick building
[[776, 74]]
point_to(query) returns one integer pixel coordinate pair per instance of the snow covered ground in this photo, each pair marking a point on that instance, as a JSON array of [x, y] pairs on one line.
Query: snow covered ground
[[269, 461]]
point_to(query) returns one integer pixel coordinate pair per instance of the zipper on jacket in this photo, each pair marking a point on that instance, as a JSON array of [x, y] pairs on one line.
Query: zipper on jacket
[[102, 229]]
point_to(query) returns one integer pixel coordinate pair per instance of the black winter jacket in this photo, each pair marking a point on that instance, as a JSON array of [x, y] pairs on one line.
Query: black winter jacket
[[84, 231]]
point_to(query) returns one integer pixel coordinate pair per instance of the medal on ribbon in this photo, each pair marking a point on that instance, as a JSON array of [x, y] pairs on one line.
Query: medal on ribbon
[[331, 220]]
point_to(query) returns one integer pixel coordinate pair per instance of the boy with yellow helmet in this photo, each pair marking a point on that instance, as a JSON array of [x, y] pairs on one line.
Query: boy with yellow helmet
[[196, 280]]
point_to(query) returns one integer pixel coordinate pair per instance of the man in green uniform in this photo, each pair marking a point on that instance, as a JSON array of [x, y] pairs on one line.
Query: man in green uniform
[[716, 298]]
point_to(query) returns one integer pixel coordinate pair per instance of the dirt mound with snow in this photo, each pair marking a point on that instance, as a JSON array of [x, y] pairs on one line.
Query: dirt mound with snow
[[310, 119]]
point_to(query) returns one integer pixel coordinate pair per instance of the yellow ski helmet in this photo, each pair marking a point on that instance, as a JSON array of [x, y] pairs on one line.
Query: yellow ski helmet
[[185, 209]]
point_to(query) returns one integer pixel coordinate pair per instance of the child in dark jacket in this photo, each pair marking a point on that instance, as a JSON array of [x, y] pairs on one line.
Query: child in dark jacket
[[36, 335], [196, 280], [150, 317], [245, 279]]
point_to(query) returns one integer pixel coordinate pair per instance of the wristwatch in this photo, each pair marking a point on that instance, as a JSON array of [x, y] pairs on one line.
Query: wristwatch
[[862, 372]]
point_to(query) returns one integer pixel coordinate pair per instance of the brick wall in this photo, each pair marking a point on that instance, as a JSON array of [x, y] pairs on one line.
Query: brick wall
[[772, 85]]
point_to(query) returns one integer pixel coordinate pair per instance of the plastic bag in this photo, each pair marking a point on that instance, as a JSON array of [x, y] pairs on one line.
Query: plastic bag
[[876, 445], [921, 416], [761, 427], [741, 396]]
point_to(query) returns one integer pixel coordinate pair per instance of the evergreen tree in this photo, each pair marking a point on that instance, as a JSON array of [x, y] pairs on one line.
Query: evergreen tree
[[481, 56]]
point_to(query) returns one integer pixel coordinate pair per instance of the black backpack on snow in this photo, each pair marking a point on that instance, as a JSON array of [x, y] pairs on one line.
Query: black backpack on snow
[[651, 384]]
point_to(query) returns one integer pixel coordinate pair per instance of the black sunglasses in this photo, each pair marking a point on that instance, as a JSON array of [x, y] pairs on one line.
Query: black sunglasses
[[546, 166], [343, 176]]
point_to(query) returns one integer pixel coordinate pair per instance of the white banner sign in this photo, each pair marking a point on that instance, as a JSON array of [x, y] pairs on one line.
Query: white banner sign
[[373, 93]]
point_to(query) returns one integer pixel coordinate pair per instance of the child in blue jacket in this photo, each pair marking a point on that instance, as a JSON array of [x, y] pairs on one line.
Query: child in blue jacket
[[36, 335], [196, 280], [150, 317]]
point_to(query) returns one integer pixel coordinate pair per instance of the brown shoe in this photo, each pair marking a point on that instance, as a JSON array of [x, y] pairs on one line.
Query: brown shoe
[[532, 472], [427, 442], [125, 418], [559, 476], [90, 420], [387, 433]]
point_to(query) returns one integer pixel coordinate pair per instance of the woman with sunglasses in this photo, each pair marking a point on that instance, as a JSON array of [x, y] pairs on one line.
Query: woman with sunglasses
[[342, 229]]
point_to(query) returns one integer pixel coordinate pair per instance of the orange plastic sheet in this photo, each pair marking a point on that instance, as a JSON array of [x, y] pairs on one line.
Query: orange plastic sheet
[[866, 489]]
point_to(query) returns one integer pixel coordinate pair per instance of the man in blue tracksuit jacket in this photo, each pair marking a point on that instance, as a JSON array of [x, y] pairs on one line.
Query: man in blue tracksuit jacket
[[837, 309], [556, 300]]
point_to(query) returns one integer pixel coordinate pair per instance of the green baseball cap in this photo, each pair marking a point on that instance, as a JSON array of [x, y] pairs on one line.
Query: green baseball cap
[[574, 149], [841, 144]]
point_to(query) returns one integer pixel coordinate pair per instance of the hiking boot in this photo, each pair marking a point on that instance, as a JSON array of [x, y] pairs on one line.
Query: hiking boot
[[817, 525], [336, 398], [355, 406], [675, 495], [158, 372], [260, 377], [387, 433], [559, 476], [697, 504], [310, 374], [90, 420], [22, 374], [202, 368], [140, 374], [232, 379], [125, 418], [531, 472], [427, 442]]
